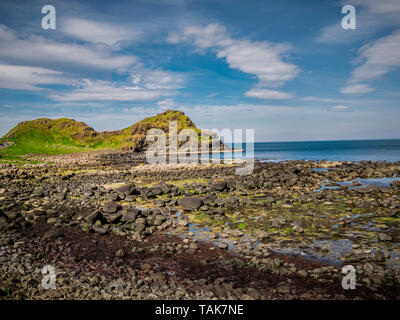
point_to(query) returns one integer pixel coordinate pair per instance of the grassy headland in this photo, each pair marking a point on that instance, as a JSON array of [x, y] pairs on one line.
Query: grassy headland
[[59, 136]]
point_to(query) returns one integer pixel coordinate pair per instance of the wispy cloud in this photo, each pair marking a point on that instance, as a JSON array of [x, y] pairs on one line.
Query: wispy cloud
[[98, 32], [167, 104], [40, 50], [108, 91], [357, 89], [377, 59], [144, 84], [340, 108], [28, 78], [263, 59], [157, 79], [372, 16], [267, 94]]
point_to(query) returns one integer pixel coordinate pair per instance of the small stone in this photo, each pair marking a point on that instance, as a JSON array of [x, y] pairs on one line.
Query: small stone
[[93, 217], [130, 198], [53, 234], [145, 266], [284, 290], [52, 220], [160, 203], [368, 267], [379, 256], [278, 262], [263, 235], [223, 245], [120, 253], [140, 227], [384, 237]]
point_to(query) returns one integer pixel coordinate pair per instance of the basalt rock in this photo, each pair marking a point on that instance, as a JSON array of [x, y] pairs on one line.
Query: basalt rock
[[111, 207], [190, 203]]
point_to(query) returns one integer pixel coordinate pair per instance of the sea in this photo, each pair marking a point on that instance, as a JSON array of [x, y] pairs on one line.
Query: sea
[[340, 150]]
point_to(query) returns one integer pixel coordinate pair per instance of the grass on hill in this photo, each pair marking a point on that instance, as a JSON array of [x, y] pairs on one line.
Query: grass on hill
[[60, 136]]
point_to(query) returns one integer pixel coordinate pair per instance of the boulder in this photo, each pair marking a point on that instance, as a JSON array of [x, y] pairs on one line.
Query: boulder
[[190, 203], [128, 189], [158, 220], [130, 214], [94, 216], [139, 227], [219, 185], [114, 218], [159, 203], [111, 207]]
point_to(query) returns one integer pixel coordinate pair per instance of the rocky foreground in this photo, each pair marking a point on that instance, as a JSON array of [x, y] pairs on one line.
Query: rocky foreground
[[116, 228]]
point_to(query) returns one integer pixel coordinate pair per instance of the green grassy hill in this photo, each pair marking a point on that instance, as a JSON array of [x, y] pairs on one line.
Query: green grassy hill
[[47, 136]]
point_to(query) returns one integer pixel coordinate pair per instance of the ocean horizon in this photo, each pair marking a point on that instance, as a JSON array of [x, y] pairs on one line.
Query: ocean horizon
[[329, 150]]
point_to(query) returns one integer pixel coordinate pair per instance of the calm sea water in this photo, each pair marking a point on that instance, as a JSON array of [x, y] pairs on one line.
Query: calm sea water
[[346, 150]]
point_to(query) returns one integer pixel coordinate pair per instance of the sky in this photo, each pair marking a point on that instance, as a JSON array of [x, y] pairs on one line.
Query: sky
[[286, 69]]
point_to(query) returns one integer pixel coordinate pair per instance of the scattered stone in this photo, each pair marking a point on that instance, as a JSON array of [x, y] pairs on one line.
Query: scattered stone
[[111, 207], [384, 237], [53, 234], [190, 203]]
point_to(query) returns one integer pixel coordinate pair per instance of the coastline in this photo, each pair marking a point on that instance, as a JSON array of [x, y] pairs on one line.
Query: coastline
[[284, 221]]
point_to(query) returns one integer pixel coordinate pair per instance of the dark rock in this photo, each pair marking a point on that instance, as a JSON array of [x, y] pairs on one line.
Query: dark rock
[[139, 227], [160, 203], [384, 237], [113, 196], [114, 218], [100, 229], [219, 185], [158, 220], [120, 253], [94, 216], [129, 198], [217, 211], [128, 189], [111, 207], [190, 203], [130, 214], [53, 234], [379, 256]]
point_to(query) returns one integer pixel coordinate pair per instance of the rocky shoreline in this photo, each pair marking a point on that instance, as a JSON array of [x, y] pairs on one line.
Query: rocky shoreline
[[116, 228]]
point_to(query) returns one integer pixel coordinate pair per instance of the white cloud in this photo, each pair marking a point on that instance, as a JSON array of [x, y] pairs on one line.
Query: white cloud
[[390, 7], [6, 33], [37, 49], [263, 59], [143, 83], [324, 100], [166, 104], [28, 78], [267, 94], [157, 79], [109, 91], [377, 59], [340, 108], [380, 57], [372, 16], [94, 32], [357, 89]]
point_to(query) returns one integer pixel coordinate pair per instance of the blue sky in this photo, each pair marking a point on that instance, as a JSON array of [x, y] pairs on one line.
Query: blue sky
[[285, 68]]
